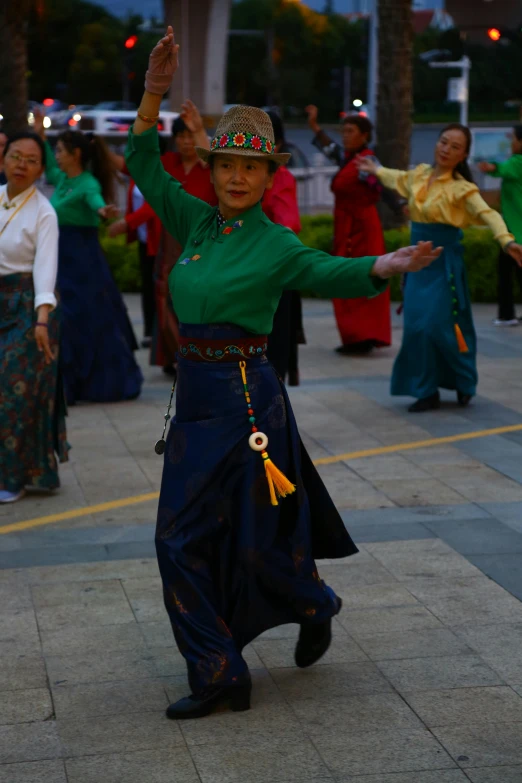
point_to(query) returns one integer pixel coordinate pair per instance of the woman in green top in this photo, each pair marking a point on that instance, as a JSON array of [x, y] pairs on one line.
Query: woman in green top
[[510, 171], [97, 339], [233, 560]]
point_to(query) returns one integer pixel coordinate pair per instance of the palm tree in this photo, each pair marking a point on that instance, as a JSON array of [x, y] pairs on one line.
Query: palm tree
[[13, 63], [395, 90]]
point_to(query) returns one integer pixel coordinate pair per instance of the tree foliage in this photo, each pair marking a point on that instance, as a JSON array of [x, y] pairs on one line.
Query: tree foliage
[[309, 52]]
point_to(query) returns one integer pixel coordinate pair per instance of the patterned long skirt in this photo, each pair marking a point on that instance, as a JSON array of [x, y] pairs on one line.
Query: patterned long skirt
[[32, 407], [232, 564]]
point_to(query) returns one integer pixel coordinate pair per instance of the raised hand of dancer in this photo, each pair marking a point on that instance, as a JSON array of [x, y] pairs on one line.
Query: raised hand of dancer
[[38, 126], [117, 228], [367, 165], [515, 251], [312, 112], [109, 211], [194, 122], [486, 167], [163, 64], [406, 259]]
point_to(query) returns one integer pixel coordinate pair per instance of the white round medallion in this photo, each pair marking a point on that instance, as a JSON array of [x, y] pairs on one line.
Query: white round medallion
[[258, 441]]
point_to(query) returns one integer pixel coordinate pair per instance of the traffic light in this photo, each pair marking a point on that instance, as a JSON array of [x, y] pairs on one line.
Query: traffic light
[[494, 34], [131, 42]]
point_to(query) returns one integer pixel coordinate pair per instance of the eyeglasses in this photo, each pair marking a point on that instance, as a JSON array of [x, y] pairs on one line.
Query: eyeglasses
[[22, 159]]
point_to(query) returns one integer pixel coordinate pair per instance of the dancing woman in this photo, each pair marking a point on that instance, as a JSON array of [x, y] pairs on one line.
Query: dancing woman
[[364, 324], [97, 340], [32, 408], [242, 510], [439, 345]]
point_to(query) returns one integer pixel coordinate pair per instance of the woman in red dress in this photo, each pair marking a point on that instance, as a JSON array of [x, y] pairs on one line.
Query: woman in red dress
[[280, 205], [363, 324]]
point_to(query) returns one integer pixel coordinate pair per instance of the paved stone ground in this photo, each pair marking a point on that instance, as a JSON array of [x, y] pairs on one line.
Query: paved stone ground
[[423, 683]]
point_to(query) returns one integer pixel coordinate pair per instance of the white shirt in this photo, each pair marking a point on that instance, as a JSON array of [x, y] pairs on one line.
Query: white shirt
[[30, 242], [137, 202]]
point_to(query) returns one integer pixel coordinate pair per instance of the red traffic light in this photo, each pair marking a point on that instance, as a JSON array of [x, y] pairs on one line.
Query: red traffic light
[[494, 34], [131, 42], [48, 101]]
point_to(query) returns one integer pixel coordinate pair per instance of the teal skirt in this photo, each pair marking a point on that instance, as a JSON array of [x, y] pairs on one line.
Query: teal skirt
[[32, 406], [436, 301]]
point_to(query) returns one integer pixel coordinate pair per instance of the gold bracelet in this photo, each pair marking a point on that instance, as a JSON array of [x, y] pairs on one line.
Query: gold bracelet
[[144, 118]]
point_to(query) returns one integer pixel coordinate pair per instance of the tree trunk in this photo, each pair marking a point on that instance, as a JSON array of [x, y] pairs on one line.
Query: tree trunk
[[395, 90], [13, 63]]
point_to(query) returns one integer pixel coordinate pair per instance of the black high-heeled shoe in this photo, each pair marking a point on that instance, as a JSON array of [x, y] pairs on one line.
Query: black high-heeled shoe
[[314, 641], [464, 399], [236, 695], [426, 404]]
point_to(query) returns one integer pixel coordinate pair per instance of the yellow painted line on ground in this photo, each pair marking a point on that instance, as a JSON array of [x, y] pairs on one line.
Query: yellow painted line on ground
[[418, 444], [136, 499], [78, 512]]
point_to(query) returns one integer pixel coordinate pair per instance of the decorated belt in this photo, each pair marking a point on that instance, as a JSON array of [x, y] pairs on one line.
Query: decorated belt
[[208, 350]]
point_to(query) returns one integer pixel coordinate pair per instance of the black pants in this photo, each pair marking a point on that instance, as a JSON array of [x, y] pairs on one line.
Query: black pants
[[148, 302], [506, 299]]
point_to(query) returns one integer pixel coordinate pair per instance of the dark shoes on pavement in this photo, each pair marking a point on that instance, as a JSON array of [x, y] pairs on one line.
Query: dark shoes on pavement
[[356, 349], [313, 642], [235, 695], [431, 403]]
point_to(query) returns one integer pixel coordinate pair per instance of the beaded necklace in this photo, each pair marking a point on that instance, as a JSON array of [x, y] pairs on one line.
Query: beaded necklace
[[17, 210]]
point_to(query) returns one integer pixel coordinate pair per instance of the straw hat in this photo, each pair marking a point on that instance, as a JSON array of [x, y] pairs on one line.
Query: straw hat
[[245, 130]]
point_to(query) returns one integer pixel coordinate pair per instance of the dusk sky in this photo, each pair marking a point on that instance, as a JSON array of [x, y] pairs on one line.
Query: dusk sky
[[153, 7]]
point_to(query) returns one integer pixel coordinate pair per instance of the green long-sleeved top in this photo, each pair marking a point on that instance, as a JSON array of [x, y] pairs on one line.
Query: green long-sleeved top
[[511, 193], [75, 199], [239, 274]]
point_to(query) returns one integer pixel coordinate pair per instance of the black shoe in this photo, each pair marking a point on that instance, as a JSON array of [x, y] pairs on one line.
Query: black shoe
[[464, 399], [357, 349], [293, 377], [426, 404], [146, 342], [237, 696], [313, 642]]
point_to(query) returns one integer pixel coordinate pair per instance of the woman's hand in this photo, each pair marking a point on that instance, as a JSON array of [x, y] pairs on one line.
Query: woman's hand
[[486, 167], [191, 117], [108, 212], [38, 126], [367, 165], [41, 333], [163, 64], [406, 259], [312, 112], [515, 251], [117, 228]]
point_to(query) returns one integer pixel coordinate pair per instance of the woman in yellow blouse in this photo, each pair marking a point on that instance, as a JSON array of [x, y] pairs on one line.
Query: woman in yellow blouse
[[439, 343]]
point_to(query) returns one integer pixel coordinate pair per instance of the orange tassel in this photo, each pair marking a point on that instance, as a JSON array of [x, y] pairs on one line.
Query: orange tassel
[[463, 348], [278, 484]]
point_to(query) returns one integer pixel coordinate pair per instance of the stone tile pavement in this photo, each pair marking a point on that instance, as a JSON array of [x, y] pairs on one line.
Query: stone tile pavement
[[423, 682]]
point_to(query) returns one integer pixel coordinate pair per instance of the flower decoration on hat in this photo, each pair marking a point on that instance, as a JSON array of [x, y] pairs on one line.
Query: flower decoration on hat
[[256, 143], [214, 144], [224, 140], [269, 146], [239, 139]]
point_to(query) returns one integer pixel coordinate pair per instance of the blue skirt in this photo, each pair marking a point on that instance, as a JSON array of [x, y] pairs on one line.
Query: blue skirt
[[434, 300], [232, 564], [97, 339]]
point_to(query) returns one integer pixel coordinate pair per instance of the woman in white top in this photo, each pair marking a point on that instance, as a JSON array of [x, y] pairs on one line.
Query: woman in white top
[[32, 410]]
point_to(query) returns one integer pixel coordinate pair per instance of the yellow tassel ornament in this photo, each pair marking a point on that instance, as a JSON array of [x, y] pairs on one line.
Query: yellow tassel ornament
[[279, 486]]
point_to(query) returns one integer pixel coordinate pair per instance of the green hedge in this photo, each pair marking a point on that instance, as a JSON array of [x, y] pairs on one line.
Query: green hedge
[[480, 253]]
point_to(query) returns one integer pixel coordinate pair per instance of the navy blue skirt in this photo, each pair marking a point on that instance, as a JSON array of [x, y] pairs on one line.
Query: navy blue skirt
[[232, 564], [97, 339]]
